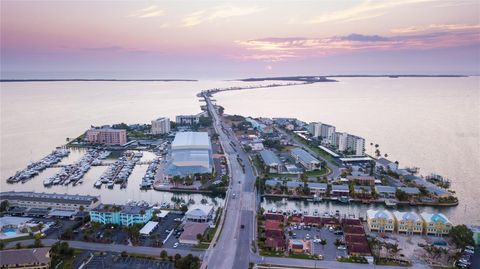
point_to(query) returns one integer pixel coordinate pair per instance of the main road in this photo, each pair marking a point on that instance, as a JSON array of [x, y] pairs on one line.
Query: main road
[[237, 226]]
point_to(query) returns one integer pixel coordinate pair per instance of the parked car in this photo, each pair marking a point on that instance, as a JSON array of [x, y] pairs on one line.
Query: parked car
[[341, 248], [175, 245]]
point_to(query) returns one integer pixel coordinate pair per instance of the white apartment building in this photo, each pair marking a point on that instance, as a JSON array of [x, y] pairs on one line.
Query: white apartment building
[[161, 126], [318, 129], [356, 144]]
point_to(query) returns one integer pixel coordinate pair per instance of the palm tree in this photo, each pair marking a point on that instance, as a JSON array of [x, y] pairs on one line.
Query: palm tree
[[82, 209], [395, 249]]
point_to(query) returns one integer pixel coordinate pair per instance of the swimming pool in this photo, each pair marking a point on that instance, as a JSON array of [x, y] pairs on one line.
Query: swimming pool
[[9, 232]]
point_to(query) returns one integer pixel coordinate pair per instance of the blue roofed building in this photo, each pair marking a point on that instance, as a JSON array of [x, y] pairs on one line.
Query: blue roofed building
[[191, 153], [271, 161], [305, 159], [385, 191]]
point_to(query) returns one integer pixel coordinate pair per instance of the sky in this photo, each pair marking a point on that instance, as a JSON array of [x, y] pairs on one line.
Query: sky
[[235, 39]]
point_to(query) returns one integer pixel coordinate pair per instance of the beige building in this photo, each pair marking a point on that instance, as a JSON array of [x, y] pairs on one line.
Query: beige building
[[380, 220], [106, 136], [50, 200], [408, 222], [161, 126], [33, 258]]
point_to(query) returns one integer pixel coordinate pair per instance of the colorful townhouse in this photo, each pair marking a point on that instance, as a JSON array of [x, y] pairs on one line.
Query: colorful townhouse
[[436, 224], [380, 220], [126, 215], [408, 222]]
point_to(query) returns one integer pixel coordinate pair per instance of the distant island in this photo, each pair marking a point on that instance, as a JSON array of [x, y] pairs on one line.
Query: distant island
[[79, 79]]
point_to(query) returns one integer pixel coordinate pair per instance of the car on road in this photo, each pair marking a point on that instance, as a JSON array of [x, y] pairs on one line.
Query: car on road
[[175, 245], [242, 226]]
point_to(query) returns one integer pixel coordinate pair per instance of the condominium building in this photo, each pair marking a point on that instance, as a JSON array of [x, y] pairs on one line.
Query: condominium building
[[50, 200], [340, 141], [305, 159], [356, 145], [436, 224], [106, 136], [190, 119], [325, 131], [161, 126], [408, 222], [125, 215], [380, 220]]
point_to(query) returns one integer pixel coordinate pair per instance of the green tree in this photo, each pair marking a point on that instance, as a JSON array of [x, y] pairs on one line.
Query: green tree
[[163, 254], [4, 205], [462, 236], [82, 209], [401, 195]]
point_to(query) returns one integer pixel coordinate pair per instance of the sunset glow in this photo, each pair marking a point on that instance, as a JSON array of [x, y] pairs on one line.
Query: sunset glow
[[237, 38]]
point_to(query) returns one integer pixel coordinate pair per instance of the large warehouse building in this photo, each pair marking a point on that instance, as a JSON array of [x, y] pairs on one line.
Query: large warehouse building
[[191, 153]]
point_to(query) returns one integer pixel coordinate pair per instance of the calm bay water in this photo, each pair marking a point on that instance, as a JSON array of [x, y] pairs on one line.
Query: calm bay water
[[433, 123]]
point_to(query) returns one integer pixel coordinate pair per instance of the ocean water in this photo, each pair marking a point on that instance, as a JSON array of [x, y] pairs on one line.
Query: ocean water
[[432, 123]]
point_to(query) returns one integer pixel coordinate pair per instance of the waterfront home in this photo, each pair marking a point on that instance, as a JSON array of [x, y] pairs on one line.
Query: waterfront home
[[199, 213], [436, 224], [340, 190], [317, 188], [408, 222], [305, 159], [270, 160], [380, 220], [362, 180], [410, 191], [362, 192], [38, 258], [125, 215], [299, 246], [385, 191], [383, 164], [293, 185]]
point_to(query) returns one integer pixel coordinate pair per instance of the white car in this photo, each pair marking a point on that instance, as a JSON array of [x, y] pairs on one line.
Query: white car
[[342, 248], [175, 245]]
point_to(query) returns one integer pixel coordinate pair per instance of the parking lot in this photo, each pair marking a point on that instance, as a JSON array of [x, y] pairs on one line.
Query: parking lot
[[160, 233], [115, 261], [329, 250]]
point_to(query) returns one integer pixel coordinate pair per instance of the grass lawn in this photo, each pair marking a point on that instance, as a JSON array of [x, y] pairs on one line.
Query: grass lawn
[[301, 256], [317, 150], [271, 253], [26, 237], [353, 259], [202, 245], [319, 173]]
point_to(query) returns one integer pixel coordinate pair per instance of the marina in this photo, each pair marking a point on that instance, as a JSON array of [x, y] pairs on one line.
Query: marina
[[73, 173], [35, 168]]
